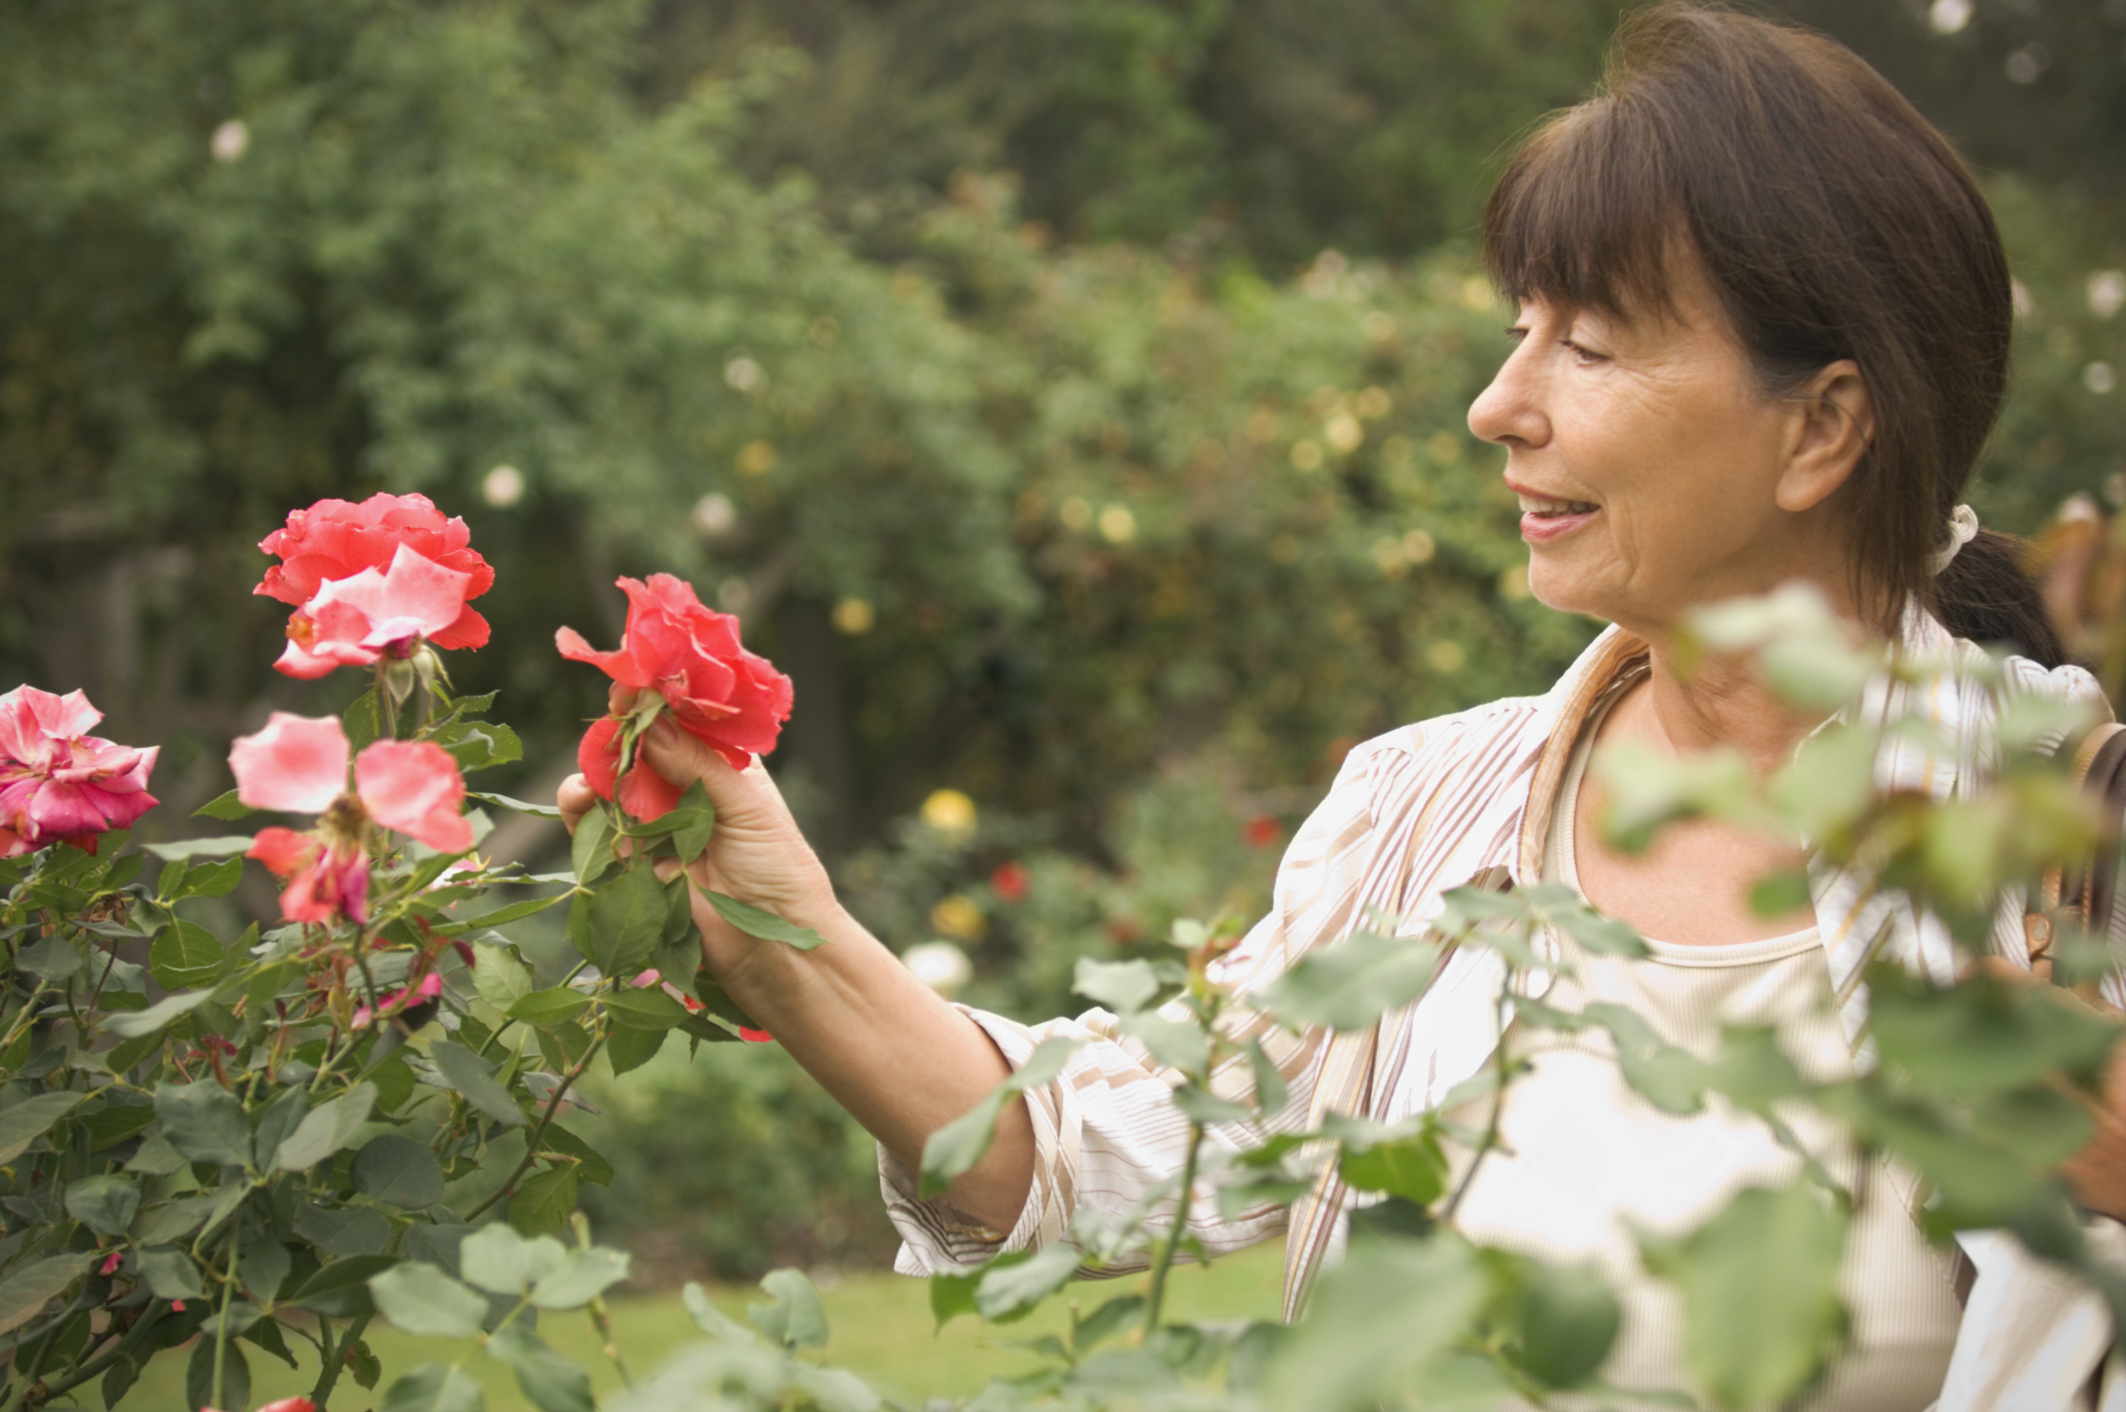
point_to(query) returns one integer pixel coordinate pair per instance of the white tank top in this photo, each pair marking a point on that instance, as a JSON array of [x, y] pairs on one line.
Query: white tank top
[[1584, 1159]]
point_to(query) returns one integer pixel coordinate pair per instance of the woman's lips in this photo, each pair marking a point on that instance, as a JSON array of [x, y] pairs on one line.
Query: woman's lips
[[1543, 526]]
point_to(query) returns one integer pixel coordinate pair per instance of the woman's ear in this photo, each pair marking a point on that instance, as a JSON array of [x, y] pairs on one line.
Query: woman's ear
[[1833, 425]]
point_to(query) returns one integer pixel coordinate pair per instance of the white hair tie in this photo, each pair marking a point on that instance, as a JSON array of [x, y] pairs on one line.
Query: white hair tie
[[1963, 528]]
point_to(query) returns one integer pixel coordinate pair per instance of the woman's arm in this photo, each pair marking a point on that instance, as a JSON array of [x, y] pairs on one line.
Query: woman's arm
[[887, 1048]]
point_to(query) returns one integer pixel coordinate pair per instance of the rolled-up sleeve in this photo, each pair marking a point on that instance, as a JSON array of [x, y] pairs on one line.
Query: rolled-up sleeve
[[1106, 1134]]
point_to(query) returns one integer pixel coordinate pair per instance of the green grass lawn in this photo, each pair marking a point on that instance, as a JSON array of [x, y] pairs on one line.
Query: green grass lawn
[[881, 1331]]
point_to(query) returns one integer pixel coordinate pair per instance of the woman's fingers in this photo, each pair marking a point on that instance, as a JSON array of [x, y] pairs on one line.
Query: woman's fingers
[[574, 799]]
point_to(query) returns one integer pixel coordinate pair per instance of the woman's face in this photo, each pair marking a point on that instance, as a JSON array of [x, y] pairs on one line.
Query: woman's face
[[1649, 465]]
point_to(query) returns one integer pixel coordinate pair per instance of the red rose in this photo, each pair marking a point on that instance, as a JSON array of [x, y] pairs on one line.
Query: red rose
[[1261, 831], [718, 692], [1011, 881], [335, 539]]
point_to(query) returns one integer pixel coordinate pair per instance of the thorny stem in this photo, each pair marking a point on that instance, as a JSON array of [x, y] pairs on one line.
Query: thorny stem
[[94, 1367], [1498, 1108], [221, 1325], [531, 1146], [1171, 1246], [329, 1372]]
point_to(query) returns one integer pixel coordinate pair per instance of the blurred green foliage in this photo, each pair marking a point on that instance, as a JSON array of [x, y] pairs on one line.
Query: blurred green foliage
[[1068, 394]]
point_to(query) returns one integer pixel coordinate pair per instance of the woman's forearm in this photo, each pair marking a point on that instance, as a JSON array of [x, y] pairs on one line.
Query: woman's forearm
[[888, 1049]]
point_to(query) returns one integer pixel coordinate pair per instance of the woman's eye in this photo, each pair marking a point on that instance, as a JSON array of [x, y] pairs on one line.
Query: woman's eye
[[1581, 354]]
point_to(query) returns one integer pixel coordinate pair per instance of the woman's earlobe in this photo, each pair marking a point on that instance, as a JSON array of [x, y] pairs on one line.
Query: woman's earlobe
[[1836, 428]]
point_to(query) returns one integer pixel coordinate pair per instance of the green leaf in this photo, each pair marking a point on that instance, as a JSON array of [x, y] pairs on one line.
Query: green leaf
[[592, 848], [766, 925], [113, 1125], [1414, 1169], [498, 1259], [623, 922], [549, 1382], [1565, 1320], [105, 1204], [31, 1119], [364, 718], [543, 1201], [581, 1277], [398, 1172], [29, 1285], [549, 1007], [219, 847], [1671, 1079], [691, 838], [1760, 1293], [138, 1024], [1270, 1092], [1121, 986], [1178, 1044], [679, 913], [200, 1389], [179, 881], [957, 1146], [591, 1167], [1010, 1289], [1353, 983], [500, 975], [342, 1287], [952, 1296], [435, 1387], [711, 1320], [649, 1008], [1983, 1036], [1108, 1320], [627, 1050], [514, 912], [421, 1299], [796, 1319], [278, 1121], [326, 1129], [1380, 1321], [225, 807], [185, 954], [1207, 1109], [205, 1123], [542, 811], [473, 1077], [263, 1266], [52, 960]]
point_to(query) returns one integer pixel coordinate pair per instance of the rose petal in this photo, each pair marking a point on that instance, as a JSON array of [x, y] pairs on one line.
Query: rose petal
[[414, 787], [647, 795], [284, 851], [597, 755], [297, 763]]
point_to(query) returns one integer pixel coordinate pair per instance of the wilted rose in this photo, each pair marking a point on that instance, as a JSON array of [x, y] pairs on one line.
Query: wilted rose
[[717, 691], [299, 763], [335, 539], [58, 783]]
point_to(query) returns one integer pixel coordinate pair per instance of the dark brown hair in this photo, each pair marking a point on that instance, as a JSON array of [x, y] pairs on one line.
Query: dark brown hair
[[1832, 221]]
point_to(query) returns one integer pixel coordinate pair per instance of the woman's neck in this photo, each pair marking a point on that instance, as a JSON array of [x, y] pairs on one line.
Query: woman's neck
[[1719, 701]]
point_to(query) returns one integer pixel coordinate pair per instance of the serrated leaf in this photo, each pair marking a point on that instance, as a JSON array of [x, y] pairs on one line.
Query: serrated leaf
[[498, 1259], [499, 975], [170, 1274], [543, 1201], [326, 1129], [711, 1320], [473, 1078], [1178, 1044], [31, 1119], [219, 847], [549, 1381], [234, 1388], [591, 850], [422, 1299], [225, 807], [690, 839], [582, 1276], [514, 912], [29, 1285], [952, 1296], [646, 1009], [627, 1050], [139, 1024], [184, 954], [957, 1146], [398, 1172], [434, 1387], [796, 1319], [1009, 1290], [591, 1167], [552, 1006], [205, 1123], [1353, 983], [1121, 986], [541, 811], [623, 920], [342, 1287], [105, 1204], [766, 925], [1760, 1293], [1414, 1169]]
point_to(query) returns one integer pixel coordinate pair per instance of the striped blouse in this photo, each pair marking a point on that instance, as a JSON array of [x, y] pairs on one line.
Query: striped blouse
[[1413, 814]]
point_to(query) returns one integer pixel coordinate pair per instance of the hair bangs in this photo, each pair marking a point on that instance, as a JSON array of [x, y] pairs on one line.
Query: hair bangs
[[1588, 215]]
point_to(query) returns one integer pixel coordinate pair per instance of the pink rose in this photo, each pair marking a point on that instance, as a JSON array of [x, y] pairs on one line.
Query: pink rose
[[336, 540], [299, 764], [360, 620], [58, 783], [718, 692]]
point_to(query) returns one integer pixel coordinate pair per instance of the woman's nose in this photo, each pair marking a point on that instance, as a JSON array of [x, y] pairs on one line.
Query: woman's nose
[[1510, 411]]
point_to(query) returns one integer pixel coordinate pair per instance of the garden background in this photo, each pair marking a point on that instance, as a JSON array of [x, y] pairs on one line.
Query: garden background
[[1068, 394]]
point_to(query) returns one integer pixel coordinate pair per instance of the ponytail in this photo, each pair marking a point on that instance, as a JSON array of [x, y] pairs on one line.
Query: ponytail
[[1985, 594]]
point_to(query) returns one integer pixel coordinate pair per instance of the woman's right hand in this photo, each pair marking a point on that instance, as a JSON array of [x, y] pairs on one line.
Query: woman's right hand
[[756, 852]]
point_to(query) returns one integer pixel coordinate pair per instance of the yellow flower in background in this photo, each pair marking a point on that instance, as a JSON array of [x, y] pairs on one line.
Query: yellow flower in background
[[949, 811], [957, 916]]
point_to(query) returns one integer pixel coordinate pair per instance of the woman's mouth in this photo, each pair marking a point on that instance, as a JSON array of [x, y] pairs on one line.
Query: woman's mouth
[[1544, 519]]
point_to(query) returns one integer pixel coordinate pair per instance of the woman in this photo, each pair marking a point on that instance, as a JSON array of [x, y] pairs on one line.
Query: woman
[[1762, 329]]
